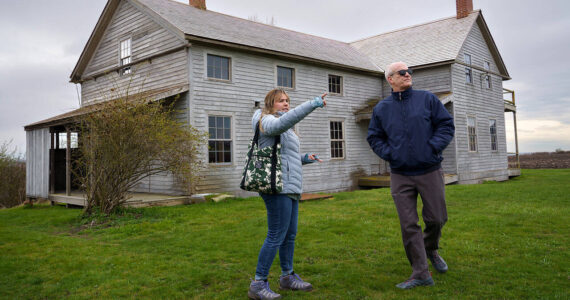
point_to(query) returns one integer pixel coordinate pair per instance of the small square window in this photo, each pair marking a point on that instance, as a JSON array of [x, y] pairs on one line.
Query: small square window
[[335, 84], [218, 67], [285, 77]]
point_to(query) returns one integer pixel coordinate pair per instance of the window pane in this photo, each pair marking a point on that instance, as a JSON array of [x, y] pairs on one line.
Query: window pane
[[220, 143], [284, 77], [218, 67], [467, 59]]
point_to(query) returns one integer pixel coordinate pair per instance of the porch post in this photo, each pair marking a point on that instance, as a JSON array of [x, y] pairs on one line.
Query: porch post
[[52, 163], [68, 164], [516, 140]]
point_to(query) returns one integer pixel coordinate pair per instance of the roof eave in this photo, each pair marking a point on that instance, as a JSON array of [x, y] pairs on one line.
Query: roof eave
[[199, 39], [493, 47], [92, 42]]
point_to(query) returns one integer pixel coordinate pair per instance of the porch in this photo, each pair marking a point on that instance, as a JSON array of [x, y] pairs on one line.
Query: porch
[[77, 198], [377, 181]]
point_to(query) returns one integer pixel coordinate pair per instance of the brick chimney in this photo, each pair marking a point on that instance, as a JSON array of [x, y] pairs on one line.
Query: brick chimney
[[464, 7], [201, 4]]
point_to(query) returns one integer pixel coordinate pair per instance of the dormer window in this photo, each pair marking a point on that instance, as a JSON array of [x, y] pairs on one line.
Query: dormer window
[[125, 56]]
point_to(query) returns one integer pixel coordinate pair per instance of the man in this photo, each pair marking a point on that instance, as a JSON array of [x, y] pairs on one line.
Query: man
[[410, 129]]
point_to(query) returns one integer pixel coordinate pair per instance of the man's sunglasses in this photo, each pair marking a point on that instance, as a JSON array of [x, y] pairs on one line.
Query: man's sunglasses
[[403, 72]]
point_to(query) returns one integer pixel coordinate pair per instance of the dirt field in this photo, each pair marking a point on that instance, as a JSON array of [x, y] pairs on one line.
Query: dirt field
[[543, 160]]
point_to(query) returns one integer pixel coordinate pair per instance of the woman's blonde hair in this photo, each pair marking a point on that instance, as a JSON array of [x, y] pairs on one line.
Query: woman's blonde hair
[[269, 103]]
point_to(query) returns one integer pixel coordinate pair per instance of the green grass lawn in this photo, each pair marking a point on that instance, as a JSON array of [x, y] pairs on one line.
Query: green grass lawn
[[502, 240]]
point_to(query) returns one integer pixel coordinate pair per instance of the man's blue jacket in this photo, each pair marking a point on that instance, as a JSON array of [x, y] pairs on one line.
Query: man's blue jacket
[[410, 129]]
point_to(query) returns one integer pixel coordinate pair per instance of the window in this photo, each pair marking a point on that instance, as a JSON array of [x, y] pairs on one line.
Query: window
[[125, 56], [220, 140], [335, 84], [472, 131], [337, 139], [468, 71], [218, 67], [493, 132], [487, 80], [285, 76], [62, 140]]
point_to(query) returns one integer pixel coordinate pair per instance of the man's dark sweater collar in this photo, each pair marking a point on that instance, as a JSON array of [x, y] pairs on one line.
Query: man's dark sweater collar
[[402, 95]]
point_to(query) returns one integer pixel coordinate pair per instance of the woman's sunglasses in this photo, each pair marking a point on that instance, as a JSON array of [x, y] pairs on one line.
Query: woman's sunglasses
[[403, 72]]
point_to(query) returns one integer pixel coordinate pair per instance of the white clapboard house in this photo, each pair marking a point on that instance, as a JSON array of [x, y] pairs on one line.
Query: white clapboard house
[[220, 67]]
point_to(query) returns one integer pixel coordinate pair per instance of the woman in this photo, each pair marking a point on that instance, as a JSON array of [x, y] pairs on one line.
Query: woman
[[282, 209]]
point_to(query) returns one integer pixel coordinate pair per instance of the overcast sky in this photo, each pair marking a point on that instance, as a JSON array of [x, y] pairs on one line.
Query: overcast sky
[[41, 41]]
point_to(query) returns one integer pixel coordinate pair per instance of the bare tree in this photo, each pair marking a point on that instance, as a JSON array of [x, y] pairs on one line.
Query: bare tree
[[267, 21]]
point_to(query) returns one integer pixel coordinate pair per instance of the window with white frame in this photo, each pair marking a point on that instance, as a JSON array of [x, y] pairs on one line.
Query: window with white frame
[[218, 67], [472, 132], [493, 132], [220, 139], [285, 77], [335, 84], [125, 56], [337, 139], [468, 70], [487, 80]]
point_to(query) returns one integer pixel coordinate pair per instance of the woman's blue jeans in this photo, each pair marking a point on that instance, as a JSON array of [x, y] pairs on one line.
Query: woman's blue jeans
[[282, 216]]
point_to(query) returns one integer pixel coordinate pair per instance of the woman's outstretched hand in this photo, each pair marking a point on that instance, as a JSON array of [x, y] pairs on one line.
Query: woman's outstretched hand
[[315, 157], [319, 101]]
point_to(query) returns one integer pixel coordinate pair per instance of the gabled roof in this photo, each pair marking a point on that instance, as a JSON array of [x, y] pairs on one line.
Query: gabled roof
[[208, 26], [431, 43]]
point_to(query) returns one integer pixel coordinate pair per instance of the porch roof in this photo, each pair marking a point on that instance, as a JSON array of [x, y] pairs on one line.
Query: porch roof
[[365, 113], [67, 118]]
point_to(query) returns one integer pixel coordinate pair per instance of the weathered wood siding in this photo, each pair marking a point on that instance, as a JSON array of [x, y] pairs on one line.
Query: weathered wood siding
[[37, 162], [484, 104], [435, 80], [166, 183], [252, 77], [148, 38]]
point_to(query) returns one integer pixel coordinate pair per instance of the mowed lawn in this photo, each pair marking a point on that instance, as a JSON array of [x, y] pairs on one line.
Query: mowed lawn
[[506, 240]]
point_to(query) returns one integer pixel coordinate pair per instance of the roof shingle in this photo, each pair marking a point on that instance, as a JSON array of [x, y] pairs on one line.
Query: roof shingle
[[221, 27], [428, 43]]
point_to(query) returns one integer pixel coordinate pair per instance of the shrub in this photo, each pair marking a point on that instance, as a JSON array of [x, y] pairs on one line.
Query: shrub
[[12, 177], [127, 140]]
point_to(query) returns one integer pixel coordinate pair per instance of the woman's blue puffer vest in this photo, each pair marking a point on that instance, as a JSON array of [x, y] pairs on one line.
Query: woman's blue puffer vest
[[291, 158]]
